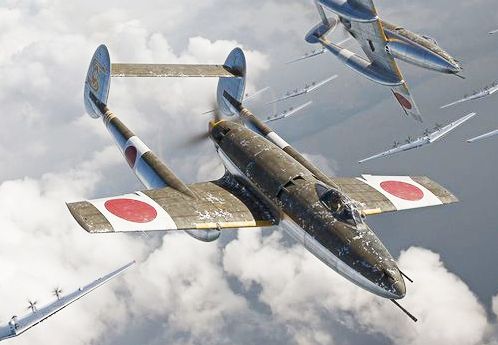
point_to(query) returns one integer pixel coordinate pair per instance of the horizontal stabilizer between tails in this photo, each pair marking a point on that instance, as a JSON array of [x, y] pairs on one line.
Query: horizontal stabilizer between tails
[[171, 70]]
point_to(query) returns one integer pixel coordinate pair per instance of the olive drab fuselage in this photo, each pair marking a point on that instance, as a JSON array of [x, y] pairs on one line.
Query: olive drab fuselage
[[348, 246]]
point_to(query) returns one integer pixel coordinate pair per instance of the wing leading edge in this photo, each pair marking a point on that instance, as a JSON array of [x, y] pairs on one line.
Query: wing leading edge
[[171, 70]]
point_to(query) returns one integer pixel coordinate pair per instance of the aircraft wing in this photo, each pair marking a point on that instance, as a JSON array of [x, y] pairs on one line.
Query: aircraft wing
[[255, 94], [380, 194], [19, 325], [290, 112], [222, 204], [304, 90], [493, 32], [307, 56], [450, 127], [287, 96], [466, 99], [170, 70], [405, 147], [483, 136], [321, 83]]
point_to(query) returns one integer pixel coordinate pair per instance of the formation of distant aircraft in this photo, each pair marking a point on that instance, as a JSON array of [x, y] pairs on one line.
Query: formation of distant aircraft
[[267, 182]]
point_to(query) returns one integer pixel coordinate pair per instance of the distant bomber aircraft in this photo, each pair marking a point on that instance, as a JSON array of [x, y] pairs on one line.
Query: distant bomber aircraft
[[493, 32], [266, 183], [426, 139], [485, 92], [287, 113], [19, 325], [306, 89], [382, 43], [483, 136]]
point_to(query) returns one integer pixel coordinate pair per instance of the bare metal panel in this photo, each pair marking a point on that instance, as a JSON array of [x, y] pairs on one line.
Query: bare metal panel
[[170, 70]]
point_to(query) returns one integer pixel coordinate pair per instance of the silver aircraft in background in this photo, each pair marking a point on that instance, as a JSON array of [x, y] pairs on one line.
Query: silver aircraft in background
[[19, 325], [483, 136], [485, 92], [382, 43], [287, 113], [306, 89], [426, 139], [493, 32]]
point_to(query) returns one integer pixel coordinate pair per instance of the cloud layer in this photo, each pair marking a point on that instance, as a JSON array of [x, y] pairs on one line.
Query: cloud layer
[[251, 287]]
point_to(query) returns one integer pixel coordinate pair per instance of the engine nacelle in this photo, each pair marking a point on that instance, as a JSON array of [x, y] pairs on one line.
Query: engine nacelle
[[419, 56], [204, 235]]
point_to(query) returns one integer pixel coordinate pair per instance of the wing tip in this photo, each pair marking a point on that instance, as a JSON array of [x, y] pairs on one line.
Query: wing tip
[[443, 194], [83, 211]]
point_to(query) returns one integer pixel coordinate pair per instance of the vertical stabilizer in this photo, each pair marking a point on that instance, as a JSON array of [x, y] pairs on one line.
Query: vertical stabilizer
[[98, 81], [235, 87]]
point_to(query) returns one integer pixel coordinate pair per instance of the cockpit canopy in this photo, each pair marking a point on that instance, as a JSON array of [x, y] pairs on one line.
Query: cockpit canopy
[[341, 207]]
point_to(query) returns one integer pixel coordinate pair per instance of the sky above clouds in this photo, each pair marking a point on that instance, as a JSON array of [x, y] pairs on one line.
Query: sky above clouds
[[254, 286]]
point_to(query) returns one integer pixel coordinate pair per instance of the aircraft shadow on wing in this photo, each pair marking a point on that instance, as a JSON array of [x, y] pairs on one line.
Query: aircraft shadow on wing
[[428, 138]]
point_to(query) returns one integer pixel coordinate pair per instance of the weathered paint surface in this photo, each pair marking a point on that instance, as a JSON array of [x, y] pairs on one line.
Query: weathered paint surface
[[294, 189]]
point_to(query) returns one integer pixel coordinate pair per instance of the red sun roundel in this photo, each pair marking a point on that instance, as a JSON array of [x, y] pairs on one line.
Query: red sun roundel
[[403, 190], [131, 155], [131, 210], [403, 101]]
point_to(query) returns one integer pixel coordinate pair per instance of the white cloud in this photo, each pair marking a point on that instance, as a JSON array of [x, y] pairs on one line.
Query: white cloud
[[304, 293]]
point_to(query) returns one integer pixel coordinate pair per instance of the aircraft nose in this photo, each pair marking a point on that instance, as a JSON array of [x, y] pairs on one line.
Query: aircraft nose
[[453, 66], [395, 284], [456, 68]]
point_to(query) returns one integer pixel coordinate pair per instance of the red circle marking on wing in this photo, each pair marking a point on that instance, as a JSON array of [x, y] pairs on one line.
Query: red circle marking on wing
[[131, 155], [403, 101], [131, 210], [403, 190]]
